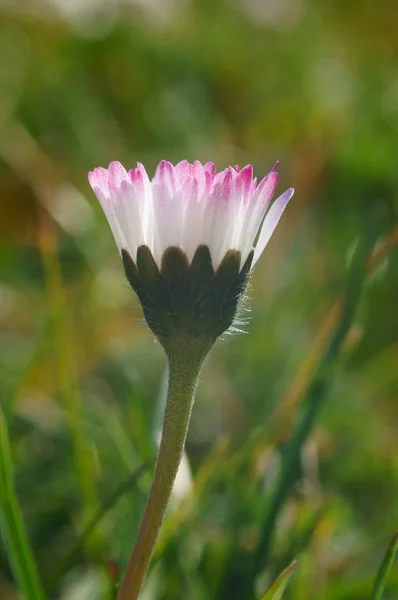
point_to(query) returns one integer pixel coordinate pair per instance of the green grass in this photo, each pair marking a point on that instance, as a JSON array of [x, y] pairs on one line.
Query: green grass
[[12, 526]]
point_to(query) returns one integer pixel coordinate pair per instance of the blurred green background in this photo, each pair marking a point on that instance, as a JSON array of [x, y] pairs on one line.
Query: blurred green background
[[313, 84]]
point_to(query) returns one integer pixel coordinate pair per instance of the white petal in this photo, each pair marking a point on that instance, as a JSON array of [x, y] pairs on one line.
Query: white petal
[[108, 208], [194, 199], [142, 189], [259, 202], [241, 197], [168, 209], [126, 197], [270, 222], [218, 226], [127, 210]]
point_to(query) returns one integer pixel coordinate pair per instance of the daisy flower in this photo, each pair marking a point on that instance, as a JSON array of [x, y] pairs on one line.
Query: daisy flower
[[189, 238]]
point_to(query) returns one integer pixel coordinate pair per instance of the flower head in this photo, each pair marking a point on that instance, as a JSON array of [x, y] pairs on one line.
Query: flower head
[[187, 238]]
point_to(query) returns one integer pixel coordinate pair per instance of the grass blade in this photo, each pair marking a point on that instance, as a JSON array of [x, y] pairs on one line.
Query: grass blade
[[279, 586], [12, 526], [385, 569]]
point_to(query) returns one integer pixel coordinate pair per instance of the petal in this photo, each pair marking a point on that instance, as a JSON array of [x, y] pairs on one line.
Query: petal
[[255, 210], [195, 209], [165, 176], [210, 172], [266, 188], [270, 222], [241, 196], [245, 178], [210, 168], [137, 181], [142, 188], [109, 210], [198, 171], [222, 187], [220, 216], [99, 178], [276, 165], [141, 169], [168, 209], [183, 170], [253, 186], [128, 210], [116, 174], [121, 201]]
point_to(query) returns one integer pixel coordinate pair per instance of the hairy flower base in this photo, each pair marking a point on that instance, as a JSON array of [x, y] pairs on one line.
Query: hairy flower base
[[185, 299]]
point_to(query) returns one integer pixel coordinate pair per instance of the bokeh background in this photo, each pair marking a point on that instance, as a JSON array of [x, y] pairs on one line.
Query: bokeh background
[[313, 84]]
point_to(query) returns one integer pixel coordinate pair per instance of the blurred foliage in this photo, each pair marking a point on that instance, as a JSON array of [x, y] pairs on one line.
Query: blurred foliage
[[312, 84]]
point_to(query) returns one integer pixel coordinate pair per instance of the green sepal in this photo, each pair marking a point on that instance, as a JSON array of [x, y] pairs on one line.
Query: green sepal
[[187, 300]]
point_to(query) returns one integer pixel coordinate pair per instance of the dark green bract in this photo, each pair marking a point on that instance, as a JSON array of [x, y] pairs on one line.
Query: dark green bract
[[187, 299]]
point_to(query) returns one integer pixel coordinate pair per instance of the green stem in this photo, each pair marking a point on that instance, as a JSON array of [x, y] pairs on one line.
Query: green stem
[[184, 367]]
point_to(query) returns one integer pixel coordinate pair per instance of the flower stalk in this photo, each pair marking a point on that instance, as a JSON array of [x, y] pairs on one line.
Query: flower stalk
[[185, 362]]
